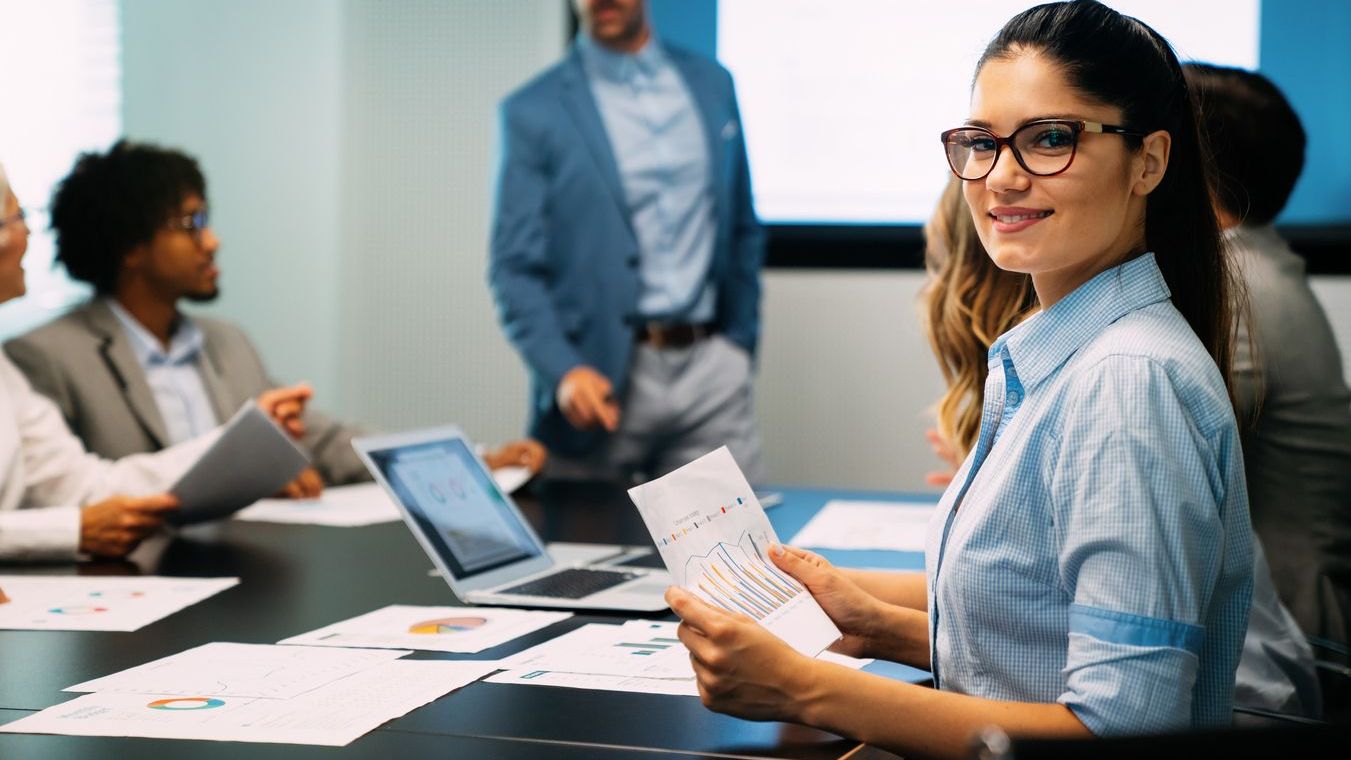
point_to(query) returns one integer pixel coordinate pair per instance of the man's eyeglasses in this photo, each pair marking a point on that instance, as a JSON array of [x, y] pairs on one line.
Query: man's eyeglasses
[[193, 223], [19, 217], [1043, 148]]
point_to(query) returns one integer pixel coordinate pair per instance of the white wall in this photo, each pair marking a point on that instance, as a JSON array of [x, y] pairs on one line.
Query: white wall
[[350, 148], [420, 343], [253, 89]]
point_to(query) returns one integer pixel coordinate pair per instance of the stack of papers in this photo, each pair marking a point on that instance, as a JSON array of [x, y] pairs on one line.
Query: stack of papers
[[436, 629], [74, 603], [641, 656], [255, 693], [889, 525]]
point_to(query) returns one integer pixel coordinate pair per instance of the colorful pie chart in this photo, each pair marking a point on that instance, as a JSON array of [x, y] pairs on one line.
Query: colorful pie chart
[[186, 703], [77, 609], [447, 625]]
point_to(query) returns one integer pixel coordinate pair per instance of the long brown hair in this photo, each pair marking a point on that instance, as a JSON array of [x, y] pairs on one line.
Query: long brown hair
[[967, 304], [1119, 61]]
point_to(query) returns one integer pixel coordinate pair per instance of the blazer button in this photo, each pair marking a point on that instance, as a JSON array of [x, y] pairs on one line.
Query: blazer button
[[633, 262]]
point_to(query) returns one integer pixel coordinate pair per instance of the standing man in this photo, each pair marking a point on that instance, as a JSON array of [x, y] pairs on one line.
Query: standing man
[[626, 254]]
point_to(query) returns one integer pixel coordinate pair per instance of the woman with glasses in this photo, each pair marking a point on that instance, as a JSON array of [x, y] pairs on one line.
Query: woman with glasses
[[1089, 570], [57, 501]]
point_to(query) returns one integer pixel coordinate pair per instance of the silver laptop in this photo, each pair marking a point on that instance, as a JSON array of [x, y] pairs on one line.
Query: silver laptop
[[478, 539]]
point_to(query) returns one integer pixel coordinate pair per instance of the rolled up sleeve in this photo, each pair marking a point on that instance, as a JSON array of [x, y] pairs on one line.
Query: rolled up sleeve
[[1137, 503]]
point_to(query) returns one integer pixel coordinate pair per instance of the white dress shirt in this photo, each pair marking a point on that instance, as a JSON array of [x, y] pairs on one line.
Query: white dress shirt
[[48, 476]]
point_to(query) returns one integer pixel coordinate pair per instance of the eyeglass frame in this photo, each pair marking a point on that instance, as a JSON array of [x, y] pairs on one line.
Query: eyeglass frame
[[21, 216], [193, 223], [1077, 126]]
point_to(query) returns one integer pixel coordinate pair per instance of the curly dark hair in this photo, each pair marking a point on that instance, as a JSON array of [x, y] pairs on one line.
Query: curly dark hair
[[112, 202]]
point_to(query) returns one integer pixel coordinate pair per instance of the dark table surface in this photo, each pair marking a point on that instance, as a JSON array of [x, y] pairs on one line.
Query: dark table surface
[[296, 578]]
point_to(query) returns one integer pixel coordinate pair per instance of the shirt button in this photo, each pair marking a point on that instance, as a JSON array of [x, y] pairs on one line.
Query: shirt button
[[632, 261], [1015, 398]]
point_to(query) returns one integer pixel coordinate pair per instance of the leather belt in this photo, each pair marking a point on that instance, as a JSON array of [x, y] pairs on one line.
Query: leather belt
[[679, 335]]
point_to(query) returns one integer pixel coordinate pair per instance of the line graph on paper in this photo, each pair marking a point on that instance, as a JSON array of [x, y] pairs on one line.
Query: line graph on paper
[[738, 578], [713, 536]]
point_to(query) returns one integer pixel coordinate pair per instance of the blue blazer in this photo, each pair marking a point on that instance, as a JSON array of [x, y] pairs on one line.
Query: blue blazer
[[564, 260]]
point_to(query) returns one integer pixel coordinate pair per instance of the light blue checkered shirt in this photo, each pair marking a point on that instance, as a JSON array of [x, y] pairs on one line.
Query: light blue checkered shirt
[[1102, 555]]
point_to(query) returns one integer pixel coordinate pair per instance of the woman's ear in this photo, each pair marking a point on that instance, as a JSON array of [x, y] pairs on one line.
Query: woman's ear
[[1152, 162]]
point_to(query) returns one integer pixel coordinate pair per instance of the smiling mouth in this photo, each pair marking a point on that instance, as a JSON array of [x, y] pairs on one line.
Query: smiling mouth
[[1015, 218]]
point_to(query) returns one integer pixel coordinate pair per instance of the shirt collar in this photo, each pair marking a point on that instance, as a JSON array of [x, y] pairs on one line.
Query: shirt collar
[[184, 344], [1043, 342], [603, 62]]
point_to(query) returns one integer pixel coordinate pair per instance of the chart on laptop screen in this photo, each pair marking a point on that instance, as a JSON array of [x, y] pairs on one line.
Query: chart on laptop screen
[[467, 513]]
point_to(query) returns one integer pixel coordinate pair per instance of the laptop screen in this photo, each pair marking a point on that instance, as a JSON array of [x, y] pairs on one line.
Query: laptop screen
[[457, 505]]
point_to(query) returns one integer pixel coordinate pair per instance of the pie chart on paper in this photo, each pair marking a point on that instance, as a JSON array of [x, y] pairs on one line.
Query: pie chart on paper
[[448, 625]]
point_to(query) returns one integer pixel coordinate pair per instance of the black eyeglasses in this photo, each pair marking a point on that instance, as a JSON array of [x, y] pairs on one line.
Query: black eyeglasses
[[193, 223], [1044, 147]]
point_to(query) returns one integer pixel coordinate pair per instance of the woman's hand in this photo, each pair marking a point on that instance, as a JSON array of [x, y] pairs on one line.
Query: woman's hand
[[285, 405], [3, 598], [742, 668], [113, 527], [855, 612], [942, 447]]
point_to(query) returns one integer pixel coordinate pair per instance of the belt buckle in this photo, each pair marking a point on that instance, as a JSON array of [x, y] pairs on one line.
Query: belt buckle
[[656, 334]]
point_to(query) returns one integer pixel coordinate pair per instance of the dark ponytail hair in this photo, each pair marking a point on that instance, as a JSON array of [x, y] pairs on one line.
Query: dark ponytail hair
[[1118, 61]]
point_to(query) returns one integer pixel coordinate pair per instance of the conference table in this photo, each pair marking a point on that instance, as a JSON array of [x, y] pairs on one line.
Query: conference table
[[296, 578]]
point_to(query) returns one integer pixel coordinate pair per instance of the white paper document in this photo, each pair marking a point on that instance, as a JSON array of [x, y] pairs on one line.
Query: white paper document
[[339, 506], [436, 629], [250, 460], [713, 536], [333, 715], [616, 650], [541, 667], [894, 525], [222, 669], [75, 603], [511, 478]]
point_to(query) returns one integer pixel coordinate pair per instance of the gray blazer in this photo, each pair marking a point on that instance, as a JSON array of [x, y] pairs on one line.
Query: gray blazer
[[1298, 457], [84, 362]]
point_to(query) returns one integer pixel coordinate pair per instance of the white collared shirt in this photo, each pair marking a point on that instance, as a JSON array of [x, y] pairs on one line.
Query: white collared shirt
[[46, 475]]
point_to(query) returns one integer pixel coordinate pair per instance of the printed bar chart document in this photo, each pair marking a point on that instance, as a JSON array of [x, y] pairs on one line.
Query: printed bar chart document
[[601, 649], [99, 604], [542, 667], [333, 715], [713, 536], [222, 669], [890, 525], [436, 629]]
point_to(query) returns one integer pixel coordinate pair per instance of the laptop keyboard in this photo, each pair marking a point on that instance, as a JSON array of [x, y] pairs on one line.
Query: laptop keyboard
[[573, 583]]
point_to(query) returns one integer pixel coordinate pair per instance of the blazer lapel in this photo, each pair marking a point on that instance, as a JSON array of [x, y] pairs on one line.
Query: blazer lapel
[[121, 361], [718, 127], [581, 106]]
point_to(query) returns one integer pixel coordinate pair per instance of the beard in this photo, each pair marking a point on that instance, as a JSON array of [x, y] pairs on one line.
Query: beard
[[203, 296]]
